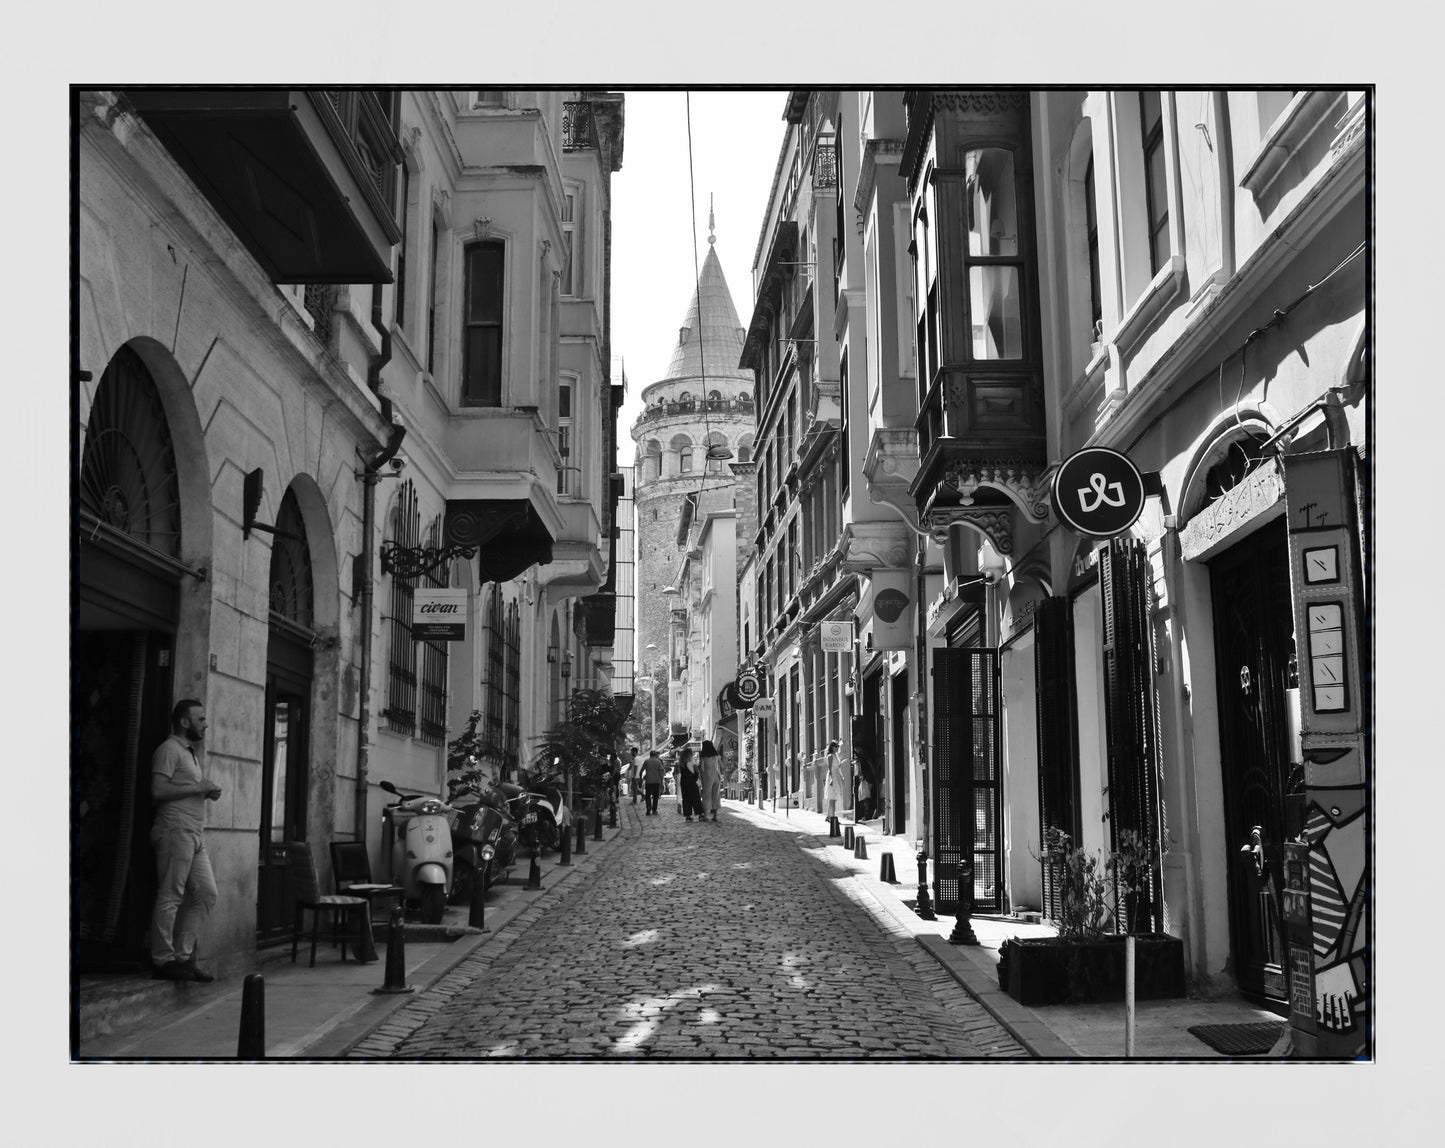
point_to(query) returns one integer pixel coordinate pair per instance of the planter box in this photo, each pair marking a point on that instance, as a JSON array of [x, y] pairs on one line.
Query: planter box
[[1047, 970]]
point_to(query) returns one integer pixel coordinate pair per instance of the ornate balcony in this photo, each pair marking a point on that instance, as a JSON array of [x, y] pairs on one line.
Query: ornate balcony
[[306, 179], [579, 129]]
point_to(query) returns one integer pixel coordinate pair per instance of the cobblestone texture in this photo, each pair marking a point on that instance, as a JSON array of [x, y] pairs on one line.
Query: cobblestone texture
[[735, 940]]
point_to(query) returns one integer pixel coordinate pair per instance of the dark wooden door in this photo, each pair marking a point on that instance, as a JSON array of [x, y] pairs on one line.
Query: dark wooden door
[[120, 709], [1263, 793], [900, 753], [284, 781]]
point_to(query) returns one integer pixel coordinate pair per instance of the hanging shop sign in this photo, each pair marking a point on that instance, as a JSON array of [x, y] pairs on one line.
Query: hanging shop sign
[[747, 689], [1098, 492], [836, 637], [439, 615], [892, 597], [725, 708], [764, 708]]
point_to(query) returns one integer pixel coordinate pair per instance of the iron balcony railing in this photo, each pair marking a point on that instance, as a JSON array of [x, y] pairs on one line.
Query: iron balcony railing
[[825, 163], [579, 128], [740, 405]]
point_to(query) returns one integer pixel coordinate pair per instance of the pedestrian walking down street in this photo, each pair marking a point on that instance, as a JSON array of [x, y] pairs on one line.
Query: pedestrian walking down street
[[634, 775], [711, 781], [691, 793], [652, 771], [830, 781], [186, 888]]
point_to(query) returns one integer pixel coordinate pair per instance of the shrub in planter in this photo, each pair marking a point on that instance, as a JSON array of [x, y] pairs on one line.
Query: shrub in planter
[[1085, 962], [1052, 970]]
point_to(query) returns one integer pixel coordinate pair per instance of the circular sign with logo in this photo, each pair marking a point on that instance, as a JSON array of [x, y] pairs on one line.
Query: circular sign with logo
[[747, 688], [1098, 492], [889, 604]]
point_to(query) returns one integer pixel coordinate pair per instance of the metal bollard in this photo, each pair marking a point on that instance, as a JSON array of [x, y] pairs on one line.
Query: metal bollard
[[477, 912], [597, 823], [395, 955], [612, 816], [534, 874], [251, 1043], [925, 906], [885, 869], [832, 826], [581, 837], [565, 843], [860, 848], [848, 837]]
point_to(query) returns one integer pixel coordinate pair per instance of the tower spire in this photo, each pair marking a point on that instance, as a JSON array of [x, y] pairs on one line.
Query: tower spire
[[711, 226]]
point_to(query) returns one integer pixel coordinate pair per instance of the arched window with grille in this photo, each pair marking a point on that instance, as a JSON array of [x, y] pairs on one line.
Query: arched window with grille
[[401, 670]]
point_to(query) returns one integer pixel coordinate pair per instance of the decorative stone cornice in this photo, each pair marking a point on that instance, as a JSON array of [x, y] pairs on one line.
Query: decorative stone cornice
[[1259, 493], [887, 151], [890, 466], [869, 546], [1026, 483]]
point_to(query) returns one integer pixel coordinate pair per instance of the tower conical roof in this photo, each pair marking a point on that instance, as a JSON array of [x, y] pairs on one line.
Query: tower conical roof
[[711, 341]]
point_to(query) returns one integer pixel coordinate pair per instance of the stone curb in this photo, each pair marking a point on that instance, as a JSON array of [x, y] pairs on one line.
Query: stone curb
[[375, 1013]]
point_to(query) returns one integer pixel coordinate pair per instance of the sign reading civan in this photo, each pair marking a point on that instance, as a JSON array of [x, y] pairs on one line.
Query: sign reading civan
[[1098, 492], [439, 615]]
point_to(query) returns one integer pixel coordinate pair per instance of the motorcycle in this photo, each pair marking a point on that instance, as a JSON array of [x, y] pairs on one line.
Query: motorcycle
[[421, 852], [539, 814], [484, 841]]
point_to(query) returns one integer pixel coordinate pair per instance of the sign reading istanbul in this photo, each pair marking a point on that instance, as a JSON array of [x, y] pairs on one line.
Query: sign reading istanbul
[[837, 637], [439, 615], [1098, 492]]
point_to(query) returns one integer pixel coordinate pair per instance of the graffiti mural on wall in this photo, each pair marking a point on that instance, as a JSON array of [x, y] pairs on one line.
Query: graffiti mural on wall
[[1336, 830]]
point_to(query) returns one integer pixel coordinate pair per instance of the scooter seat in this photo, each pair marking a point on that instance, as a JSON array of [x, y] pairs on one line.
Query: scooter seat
[[511, 789]]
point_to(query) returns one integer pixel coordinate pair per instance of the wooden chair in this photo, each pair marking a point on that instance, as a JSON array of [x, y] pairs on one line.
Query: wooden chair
[[351, 869], [307, 890]]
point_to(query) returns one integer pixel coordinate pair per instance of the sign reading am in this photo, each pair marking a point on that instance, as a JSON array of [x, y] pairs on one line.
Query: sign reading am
[[439, 615]]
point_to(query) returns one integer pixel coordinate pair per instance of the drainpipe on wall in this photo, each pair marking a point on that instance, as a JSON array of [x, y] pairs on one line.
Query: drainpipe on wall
[[920, 646], [369, 477]]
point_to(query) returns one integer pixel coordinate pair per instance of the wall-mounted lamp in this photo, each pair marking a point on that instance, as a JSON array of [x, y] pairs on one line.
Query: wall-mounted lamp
[[552, 652]]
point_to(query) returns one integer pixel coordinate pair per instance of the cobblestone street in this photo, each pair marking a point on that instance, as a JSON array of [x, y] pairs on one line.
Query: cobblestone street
[[735, 939]]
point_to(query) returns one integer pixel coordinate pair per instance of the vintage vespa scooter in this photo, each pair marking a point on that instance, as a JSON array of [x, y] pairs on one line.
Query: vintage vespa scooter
[[421, 852]]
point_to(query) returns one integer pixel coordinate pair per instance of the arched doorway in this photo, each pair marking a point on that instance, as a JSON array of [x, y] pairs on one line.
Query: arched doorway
[[285, 775], [127, 605]]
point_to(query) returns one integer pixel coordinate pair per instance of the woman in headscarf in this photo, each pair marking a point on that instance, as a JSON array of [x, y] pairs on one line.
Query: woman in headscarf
[[711, 781]]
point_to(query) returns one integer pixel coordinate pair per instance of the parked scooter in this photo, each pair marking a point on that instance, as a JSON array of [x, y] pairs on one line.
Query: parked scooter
[[539, 813], [484, 841], [421, 853]]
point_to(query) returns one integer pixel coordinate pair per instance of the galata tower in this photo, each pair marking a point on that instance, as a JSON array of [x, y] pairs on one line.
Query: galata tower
[[704, 401]]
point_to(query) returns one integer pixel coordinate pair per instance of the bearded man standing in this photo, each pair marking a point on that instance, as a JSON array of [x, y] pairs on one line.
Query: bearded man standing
[[186, 888]]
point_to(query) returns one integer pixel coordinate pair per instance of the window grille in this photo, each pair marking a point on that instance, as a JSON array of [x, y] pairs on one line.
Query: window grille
[[514, 688], [494, 682], [434, 661], [401, 678]]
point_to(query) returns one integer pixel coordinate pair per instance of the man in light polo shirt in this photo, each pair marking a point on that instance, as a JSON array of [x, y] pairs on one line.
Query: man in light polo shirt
[[186, 888]]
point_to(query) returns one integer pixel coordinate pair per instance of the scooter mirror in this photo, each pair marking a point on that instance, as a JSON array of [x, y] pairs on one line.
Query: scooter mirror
[[386, 785]]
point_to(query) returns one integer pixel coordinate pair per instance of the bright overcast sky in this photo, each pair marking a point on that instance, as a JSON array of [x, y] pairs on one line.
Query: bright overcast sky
[[736, 137]]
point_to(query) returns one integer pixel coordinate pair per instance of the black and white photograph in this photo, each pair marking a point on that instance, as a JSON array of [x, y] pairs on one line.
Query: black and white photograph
[[646, 581]]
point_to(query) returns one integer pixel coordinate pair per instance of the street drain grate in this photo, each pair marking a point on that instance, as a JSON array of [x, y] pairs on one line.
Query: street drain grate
[[1252, 1039]]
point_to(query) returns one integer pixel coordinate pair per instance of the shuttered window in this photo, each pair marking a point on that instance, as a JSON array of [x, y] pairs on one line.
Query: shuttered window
[[1057, 736], [1132, 709]]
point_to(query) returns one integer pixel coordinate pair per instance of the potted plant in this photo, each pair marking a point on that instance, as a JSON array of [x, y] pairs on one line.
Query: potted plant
[[1085, 961]]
